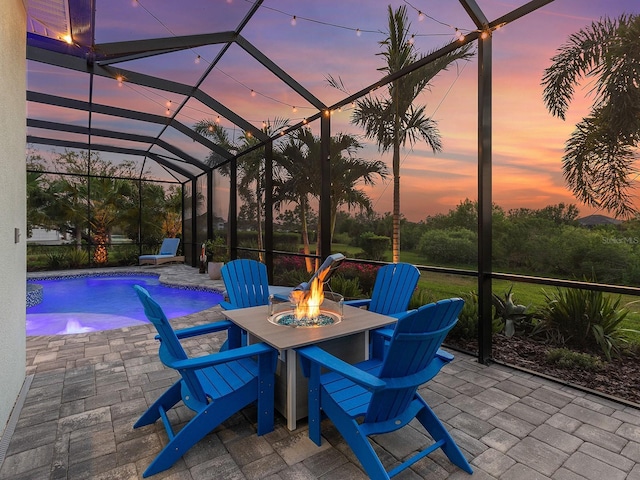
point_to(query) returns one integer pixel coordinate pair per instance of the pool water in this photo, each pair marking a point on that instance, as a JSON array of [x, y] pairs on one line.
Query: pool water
[[86, 304]]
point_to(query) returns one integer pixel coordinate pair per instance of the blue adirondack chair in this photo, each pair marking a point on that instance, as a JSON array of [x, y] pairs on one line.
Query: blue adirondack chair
[[246, 283], [213, 386], [380, 395], [392, 290]]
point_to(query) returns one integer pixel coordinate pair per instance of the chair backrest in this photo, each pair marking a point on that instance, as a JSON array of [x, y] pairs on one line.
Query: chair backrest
[[169, 246], [393, 288], [246, 282], [416, 339], [170, 348]]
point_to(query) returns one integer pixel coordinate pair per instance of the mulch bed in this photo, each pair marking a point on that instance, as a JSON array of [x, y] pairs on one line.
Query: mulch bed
[[618, 378]]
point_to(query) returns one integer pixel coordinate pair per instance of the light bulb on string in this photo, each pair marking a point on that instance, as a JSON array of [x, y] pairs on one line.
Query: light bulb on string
[[210, 128], [294, 21], [167, 112], [412, 39], [120, 79], [168, 104], [218, 119], [294, 109], [253, 92], [459, 35], [420, 16], [358, 32], [197, 60], [484, 34]]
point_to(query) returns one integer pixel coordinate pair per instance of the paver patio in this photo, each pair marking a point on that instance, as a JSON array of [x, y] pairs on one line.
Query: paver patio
[[87, 390]]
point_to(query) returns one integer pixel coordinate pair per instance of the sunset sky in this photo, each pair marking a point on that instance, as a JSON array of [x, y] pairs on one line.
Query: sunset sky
[[527, 141]]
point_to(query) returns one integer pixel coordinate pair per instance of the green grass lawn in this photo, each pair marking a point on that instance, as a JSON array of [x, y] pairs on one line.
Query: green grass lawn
[[442, 285]]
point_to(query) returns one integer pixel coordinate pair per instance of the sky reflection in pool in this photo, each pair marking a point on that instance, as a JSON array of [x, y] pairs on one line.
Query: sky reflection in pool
[[87, 304]]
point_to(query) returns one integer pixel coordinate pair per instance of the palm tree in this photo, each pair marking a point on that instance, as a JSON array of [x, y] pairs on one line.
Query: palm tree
[[599, 157], [301, 176], [393, 121], [250, 166]]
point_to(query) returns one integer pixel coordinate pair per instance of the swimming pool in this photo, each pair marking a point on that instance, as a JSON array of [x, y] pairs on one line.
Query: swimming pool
[[92, 303]]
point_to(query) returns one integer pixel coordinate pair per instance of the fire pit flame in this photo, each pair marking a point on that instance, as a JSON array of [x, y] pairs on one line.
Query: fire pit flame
[[308, 306]]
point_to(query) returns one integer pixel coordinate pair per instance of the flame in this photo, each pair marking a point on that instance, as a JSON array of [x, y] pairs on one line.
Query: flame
[[307, 301]]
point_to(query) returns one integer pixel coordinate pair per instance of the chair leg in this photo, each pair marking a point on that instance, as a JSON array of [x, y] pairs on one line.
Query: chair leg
[[197, 428], [167, 400], [358, 441], [438, 432]]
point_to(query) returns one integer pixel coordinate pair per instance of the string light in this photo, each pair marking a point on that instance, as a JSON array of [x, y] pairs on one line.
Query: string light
[[459, 35], [168, 112], [197, 60], [294, 109], [168, 104], [412, 40], [294, 21], [358, 32], [120, 79], [420, 16], [253, 93], [210, 128], [484, 34], [218, 119]]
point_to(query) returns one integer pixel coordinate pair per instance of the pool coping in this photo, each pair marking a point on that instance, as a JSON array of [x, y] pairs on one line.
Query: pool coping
[[166, 276]]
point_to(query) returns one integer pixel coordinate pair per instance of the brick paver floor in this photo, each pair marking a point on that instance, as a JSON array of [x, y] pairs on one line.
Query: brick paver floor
[[88, 389]]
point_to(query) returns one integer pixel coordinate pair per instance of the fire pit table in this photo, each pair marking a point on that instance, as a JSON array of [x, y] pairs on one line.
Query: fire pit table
[[347, 339]]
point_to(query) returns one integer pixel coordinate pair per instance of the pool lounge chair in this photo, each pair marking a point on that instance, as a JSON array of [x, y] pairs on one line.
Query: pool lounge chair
[[167, 253]]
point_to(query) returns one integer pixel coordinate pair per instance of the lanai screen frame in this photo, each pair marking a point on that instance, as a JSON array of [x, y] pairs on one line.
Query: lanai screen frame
[[97, 60]]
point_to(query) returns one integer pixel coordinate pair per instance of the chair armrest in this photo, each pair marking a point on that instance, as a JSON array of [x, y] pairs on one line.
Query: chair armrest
[[359, 303], [204, 329], [319, 356], [400, 315], [386, 334], [227, 306], [223, 357]]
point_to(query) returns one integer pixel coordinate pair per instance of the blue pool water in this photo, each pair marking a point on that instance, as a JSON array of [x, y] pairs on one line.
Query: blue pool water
[[86, 304]]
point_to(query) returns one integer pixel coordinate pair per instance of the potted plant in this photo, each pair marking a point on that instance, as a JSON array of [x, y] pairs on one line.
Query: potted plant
[[217, 254]]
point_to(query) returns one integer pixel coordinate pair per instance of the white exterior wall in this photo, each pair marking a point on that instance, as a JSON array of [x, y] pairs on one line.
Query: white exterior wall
[[12, 204]]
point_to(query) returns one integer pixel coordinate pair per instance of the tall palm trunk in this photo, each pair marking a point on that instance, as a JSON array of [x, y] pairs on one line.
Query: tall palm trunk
[[395, 239], [305, 236], [259, 217], [101, 254]]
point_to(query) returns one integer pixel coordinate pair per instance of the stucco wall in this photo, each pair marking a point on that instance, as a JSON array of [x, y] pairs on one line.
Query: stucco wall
[[12, 204]]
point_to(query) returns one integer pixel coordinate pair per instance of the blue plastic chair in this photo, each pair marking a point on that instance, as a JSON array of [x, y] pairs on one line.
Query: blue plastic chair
[[380, 395], [246, 283], [214, 386], [392, 290]]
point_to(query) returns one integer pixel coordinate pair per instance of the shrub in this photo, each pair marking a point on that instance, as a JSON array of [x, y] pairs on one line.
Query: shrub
[[421, 297], [57, 261], [286, 241], [586, 319], [366, 275], [467, 326], [454, 246], [514, 318], [375, 246], [77, 257], [565, 358], [349, 288]]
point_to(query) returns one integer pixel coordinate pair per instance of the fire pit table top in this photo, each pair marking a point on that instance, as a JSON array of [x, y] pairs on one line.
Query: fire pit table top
[[255, 321]]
